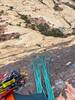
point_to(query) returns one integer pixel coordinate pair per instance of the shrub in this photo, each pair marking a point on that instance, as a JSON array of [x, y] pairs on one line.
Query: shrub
[[45, 29], [57, 8], [25, 18], [1, 12], [18, 24], [55, 32], [10, 23], [33, 26], [11, 8]]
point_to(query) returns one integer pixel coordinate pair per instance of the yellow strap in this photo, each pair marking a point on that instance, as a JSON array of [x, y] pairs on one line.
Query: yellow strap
[[6, 84]]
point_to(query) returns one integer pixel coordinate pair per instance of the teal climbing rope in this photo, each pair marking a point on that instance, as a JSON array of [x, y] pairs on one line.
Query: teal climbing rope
[[46, 78], [37, 75]]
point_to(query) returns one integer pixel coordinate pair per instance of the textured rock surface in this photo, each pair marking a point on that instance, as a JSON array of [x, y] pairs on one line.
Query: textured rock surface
[[62, 17], [18, 52]]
